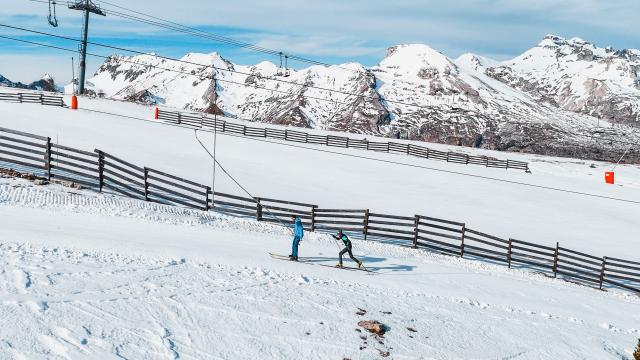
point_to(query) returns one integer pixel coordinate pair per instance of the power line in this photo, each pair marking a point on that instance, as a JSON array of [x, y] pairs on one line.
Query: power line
[[266, 208], [269, 89], [221, 38], [520, 183], [269, 78], [250, 74], [166, 69]]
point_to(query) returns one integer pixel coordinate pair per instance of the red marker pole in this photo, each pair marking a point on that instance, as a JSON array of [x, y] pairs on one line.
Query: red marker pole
[[74, 102]]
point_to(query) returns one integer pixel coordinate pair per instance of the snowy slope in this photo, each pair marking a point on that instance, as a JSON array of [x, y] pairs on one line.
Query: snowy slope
[[593, 225], [90, 275]]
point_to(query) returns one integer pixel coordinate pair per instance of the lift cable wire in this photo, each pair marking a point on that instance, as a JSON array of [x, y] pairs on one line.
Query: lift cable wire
[[266, 208], [171, 70], [269, 78], [520, 183], [269, 89]]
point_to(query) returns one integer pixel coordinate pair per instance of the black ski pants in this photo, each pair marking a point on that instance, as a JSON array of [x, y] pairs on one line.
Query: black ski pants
[[348, 250]]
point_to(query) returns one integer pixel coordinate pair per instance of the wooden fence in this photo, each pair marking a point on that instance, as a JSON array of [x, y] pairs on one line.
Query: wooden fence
[[105, 172], [201, 121], [37, 98]]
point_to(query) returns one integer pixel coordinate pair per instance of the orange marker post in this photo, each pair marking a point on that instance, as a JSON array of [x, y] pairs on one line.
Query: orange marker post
[[74, 102], [609, 177], [157, 114]]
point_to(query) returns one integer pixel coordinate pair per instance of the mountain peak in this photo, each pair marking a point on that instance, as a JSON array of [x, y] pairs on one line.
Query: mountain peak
[[475, 62], [413, 57]]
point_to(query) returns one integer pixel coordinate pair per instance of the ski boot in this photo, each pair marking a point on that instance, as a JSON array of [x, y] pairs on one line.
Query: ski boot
[[339, 266]]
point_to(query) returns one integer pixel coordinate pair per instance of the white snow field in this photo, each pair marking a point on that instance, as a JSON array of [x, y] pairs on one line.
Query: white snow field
[[97, 276], [90, 275], [594, 225]]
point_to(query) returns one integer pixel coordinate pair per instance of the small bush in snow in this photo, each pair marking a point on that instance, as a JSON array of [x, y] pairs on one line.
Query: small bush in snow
[[636, 354]]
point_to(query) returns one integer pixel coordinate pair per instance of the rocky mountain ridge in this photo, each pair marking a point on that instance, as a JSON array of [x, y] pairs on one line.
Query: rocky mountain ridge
[[562, 97], [46, 83]]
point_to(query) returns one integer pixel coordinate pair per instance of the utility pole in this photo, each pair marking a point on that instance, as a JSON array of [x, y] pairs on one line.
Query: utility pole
[[87, 6]]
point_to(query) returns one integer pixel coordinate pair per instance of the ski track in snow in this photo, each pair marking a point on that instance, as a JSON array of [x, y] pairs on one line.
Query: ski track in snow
[[83, 303]]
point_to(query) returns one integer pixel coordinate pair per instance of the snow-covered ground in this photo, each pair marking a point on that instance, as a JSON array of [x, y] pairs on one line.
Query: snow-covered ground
[[89, 275], [589, 224]]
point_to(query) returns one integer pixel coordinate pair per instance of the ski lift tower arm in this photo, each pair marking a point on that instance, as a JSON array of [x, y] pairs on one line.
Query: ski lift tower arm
[[88, 7]]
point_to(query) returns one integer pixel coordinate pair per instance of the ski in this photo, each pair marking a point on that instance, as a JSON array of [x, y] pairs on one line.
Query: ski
[[350, 268], [306, 261]]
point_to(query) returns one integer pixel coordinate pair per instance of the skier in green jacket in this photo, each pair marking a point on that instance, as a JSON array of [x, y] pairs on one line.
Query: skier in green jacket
[[347, 249]]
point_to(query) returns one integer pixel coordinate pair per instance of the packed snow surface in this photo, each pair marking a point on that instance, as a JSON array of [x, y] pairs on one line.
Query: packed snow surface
[[384, 183], [89, 275]]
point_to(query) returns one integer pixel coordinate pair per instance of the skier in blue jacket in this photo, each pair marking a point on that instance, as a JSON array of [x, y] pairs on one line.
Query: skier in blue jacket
[[298, 233]]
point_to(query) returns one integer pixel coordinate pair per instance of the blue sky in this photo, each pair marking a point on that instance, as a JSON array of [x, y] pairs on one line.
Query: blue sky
[[333, 31]]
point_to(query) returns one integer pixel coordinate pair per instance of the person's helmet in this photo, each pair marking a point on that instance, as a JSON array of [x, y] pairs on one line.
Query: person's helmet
[[339, 232]]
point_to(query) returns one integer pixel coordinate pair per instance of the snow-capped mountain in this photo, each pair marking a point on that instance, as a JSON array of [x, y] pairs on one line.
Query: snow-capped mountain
[[578, 76], [46, 83], [531, 103]]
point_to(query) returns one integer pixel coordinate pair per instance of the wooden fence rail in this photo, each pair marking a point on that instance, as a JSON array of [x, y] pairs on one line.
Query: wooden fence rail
[[101, 170], [35, 98], [200, 121]]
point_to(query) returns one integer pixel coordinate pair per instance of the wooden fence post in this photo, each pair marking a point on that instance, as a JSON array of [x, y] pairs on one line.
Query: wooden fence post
[[555, 260], [100, 168], [41, 98], [258, 209], [244, 130], [509, 253], [464, 229], [313, 218], [286, 134], [146, 184], [408, 147], [47, 159], [179, 118], [466, 156], [415, 234], [206, 198], [365, 229], [388, 147], [604, 263], [20, 98], [448, 153], [428, 150]]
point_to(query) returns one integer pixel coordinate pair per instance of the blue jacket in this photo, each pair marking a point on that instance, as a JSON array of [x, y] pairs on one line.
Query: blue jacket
[[298, 229]]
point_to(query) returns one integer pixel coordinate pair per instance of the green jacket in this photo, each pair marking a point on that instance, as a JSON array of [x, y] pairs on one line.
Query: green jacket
[[344, 239]]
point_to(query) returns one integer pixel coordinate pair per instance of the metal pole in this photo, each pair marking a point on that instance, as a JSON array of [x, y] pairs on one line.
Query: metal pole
[[215, 137], [73, 77], [83, 49]]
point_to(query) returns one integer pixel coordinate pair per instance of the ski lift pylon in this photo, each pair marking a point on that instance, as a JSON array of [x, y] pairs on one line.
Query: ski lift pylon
[[286, 66], [53, 20]]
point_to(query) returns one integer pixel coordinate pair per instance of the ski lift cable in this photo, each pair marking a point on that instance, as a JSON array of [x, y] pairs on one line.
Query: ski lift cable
[[171, 70], [453, 172], [381, 99], [623, 155], [266, 208], [218, 69]]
